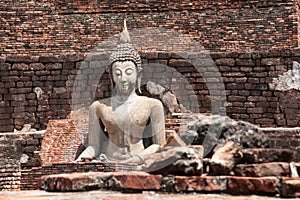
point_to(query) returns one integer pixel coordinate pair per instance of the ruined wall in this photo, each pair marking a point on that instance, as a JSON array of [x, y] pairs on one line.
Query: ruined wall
[[13, 147], [60, 27], [20, 172]]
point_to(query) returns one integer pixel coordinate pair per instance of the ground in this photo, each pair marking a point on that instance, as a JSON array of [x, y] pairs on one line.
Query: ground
[[109, 195]]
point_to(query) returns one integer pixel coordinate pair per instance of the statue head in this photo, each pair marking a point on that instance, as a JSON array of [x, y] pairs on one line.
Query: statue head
[[124, 76], [125, 55]]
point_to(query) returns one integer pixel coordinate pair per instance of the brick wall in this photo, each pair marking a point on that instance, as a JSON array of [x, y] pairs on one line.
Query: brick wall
[[59, 27], [37, 89], [12, 148]]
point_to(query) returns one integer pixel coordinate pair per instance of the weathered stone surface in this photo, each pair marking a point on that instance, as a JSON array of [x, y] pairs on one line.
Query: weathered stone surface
[[21, 59], [225, 159], [252, 185], [179, 63], [290, 187], [165, 95], [251, 156], [175, 140], [288, 81], [200, 184], [217, 130], [297, 166], [175, 160], [100, 180], [47, 59], [225, 61], [134, 181], [74, 182], [264, 169]]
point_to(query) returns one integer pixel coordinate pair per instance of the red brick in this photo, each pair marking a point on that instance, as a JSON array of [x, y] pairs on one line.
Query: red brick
[[53, 66], [74, 182], [101, 180], [20, 66], [225, 61], [271, 61], [48, 59], [179, 63], [264, 169], [245, 62], [267, 155], [20, 59], [225, 158], [290, 188], [200, 183], [252, 185], [135, 181], [36, 66]]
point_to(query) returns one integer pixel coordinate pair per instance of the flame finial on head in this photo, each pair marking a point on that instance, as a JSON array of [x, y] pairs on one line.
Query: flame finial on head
[[124, 36], [125, 50]]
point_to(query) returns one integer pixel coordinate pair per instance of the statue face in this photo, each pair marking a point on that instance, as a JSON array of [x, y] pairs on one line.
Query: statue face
[[124, 76]]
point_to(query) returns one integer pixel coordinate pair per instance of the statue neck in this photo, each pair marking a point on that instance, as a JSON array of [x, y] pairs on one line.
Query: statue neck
[[118, 99]]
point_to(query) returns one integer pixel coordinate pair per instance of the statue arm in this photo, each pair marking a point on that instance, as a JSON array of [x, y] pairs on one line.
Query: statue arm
[[158, 124], [93, 148]]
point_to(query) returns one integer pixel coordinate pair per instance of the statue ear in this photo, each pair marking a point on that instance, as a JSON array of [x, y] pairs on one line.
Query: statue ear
[[139, 80], [112, 83]]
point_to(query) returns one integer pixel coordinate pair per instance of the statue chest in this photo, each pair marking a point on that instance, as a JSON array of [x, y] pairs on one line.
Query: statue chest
[[126, 118]]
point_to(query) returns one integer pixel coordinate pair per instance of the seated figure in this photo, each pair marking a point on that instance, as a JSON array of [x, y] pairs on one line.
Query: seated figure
[[126, 126]]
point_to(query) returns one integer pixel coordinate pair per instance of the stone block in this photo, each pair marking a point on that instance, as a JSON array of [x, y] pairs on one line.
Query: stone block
[[179, 63], [225, 159], [225, 62], [245, 62], [134, 181], [53, 66], [20, 66], [271, 61], [100, 180], [21, 59], [200, 183], [174, 140], [74, 182], [47, 59], [252, 185], [36, 66], [251, 156], [290, 188], [176, 161], [263, 169]]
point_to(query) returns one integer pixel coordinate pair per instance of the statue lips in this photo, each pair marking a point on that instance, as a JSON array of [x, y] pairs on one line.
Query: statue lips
[[125, 88]]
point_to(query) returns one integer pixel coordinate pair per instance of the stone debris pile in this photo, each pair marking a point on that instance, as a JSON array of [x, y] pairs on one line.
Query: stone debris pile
[[234, 165]]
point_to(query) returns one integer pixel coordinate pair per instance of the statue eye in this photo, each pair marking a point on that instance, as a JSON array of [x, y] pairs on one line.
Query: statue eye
[[129, 71], [117, 72]]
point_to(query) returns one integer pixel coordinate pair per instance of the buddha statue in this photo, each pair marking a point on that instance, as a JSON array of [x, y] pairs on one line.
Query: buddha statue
[[126, 126]]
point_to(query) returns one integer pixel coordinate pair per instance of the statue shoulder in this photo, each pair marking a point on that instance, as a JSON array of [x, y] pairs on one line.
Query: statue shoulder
[[151, 101], [102, 103]]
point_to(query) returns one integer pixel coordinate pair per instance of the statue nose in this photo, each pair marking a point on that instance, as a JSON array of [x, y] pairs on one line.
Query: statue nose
[[123, 78]]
